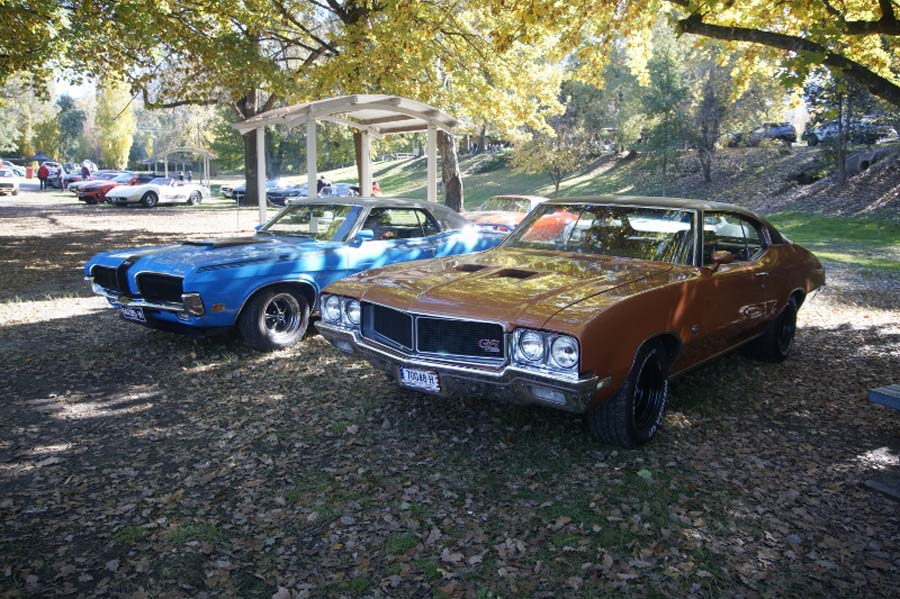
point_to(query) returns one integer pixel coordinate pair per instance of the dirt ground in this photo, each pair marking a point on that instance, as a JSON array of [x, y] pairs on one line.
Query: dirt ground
[[136, 463]]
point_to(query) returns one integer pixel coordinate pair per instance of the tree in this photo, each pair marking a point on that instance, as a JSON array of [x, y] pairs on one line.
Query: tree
[[71, 125], [115, 121], [555, 154], [665, 103], [47, 136], [709, 114]]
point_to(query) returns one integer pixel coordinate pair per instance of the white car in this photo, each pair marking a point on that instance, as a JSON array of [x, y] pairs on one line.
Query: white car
[[161, 189], [9, 182], [18, 170]]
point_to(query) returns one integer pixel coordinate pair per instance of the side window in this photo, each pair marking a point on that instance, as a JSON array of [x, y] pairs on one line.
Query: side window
[[400, 223], [733, 233]]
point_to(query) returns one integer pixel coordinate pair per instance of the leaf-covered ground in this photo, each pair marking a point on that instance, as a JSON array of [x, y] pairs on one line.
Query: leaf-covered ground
[[135, 463]]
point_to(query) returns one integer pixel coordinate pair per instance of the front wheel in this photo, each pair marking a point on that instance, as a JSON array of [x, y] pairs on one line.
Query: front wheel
[[274, 319], [633, 415], [777, 342], [150, 200], [194, 198]]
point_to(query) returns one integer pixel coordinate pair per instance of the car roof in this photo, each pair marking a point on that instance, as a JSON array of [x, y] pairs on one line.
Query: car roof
[[517, 196], [656, 202], [369, 201]]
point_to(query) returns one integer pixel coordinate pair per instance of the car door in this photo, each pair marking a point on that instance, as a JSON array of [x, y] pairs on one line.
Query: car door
[[399, 235], [737, 299]]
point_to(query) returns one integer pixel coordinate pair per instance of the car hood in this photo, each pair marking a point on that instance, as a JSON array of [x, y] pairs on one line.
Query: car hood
[[216, 254], [505, 285], [93, 185]]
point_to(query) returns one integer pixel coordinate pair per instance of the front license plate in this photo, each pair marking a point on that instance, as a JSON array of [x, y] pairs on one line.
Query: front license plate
[[135, 314], [425, 380]]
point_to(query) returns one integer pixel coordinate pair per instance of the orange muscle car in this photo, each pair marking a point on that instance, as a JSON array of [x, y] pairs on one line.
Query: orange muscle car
[[503, 213], [596, 319]]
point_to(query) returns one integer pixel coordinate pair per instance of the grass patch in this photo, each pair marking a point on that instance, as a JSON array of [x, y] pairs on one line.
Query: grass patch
[[358, 586], [401, 543], [868, 242], [429, 569], [130, 535], [196, 531]]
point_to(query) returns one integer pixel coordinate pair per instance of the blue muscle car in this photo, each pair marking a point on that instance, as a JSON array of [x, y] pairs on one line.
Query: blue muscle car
[[267, 284]]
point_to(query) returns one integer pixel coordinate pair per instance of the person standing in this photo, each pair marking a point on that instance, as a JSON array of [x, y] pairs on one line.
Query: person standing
[[190, 176], [181, 176], [85, 172], [43, 173]]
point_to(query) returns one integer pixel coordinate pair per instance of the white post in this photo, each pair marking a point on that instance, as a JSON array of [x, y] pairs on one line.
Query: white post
[[431, 157], [311, 174], [166, 162], [365, 170], [261, 172]]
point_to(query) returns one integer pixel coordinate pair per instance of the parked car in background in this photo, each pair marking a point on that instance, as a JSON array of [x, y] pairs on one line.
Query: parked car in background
[[596, 319], [227, 190], [18, 170], [240, 191], [279, 196], [74, 186], [784, 132], [341, 190], [94, 192], [156, 191], [861, 132], [266, 285], [503, 213], [9, 182]]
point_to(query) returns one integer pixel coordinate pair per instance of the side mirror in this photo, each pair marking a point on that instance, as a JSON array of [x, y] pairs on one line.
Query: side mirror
[[363, 235], [721, 257], [259, 227]]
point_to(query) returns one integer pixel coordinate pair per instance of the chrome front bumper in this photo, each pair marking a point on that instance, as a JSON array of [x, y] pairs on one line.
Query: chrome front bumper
[[507, 383], [117, 299]]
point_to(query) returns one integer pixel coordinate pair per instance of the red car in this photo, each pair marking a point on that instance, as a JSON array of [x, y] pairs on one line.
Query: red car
[[503, 213], [95, 192]]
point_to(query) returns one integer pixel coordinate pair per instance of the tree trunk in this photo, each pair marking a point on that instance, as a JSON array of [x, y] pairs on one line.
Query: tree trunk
[[251, 191], [481, 138], [453, 187], [706, 163]]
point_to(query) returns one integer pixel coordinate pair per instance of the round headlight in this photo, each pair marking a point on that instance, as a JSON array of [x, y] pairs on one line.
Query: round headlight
[[351, 308], [531, 346], [331, 308], [564, 351]]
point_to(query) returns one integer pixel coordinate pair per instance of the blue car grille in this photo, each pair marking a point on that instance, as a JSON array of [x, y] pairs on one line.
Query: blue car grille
[[460, 338], [156, 287], [105, 277]]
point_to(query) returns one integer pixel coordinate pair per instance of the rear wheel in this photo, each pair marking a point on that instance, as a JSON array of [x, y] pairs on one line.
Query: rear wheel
[[777, 342], [150, 200], [274, 319], [194, 199], [633, 415]]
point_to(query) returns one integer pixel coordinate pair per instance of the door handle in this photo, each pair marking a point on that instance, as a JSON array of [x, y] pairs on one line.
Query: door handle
[[762, 274]]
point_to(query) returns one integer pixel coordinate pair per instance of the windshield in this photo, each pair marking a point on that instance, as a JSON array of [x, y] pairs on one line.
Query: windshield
[[161, 181], [122, 179], [622, 231], [324, 222], [507, 204], [6, 174]]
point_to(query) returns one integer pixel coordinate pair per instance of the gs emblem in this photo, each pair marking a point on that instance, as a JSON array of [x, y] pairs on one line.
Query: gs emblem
[[489, 345]]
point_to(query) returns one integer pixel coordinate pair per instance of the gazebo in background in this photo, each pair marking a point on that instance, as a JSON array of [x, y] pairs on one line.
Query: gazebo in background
[[204, 155], [373, 115]]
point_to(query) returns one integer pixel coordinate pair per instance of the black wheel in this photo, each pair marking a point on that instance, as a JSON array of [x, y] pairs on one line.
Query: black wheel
[[633, 415], [813, 140], [274, 319], [777, 342], [90, 202], [195, 198], [15, 192], [150, 200]]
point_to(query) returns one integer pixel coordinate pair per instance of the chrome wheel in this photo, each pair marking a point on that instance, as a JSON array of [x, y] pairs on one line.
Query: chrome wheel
[[282, 317], [195, 198]]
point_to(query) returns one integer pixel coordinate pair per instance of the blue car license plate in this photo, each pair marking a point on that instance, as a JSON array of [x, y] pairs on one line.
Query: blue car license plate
[[135, 314], [424, 380]]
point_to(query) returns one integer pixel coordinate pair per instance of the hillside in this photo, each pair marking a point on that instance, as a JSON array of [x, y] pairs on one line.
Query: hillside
[[763, 179]]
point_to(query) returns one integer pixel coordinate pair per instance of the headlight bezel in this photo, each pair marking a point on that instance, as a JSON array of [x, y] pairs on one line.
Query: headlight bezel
[[326, 307], [334, 310], [547, 361], [346, 304]]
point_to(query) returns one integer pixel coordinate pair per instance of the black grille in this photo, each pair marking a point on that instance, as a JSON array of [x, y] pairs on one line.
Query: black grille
[[164, 288], [389, 324], [105, 277], [460, 338]]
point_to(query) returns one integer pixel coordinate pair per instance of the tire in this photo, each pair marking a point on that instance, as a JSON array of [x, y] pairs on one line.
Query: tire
[[15, 192], [633, 415], [90, 202], [274, 319], [812, 141], [150, 200], [777, 342], [195, 199]]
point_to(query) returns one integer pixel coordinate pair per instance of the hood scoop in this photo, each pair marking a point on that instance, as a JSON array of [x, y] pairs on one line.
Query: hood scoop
[[470, 267], [227, 242], [514, 273]]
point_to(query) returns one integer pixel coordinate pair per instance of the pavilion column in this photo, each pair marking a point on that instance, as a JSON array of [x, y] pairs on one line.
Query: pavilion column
[[166, 167], [311, 174], [431, 157], [261, 172], [365, 167]]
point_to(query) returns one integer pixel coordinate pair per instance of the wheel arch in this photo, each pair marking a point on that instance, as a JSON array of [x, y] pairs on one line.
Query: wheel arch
[[309, 290]]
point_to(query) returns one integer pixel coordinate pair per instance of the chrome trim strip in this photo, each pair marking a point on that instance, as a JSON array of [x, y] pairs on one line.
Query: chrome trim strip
[[124, 300]]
